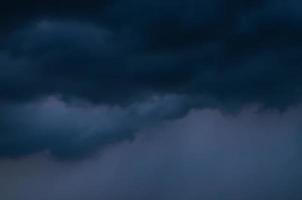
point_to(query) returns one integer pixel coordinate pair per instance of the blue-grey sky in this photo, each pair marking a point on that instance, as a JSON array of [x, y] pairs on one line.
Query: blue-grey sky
[[150, 99]]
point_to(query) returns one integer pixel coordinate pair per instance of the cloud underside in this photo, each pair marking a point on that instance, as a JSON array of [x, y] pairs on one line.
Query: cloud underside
[[76, 77]]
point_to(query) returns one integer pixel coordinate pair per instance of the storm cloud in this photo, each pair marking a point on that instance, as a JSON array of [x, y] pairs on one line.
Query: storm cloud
[[226, 50], [120, 54], [72, 131], [150, 99]]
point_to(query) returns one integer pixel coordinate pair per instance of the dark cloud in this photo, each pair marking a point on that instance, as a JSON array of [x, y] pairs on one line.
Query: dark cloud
[[218, 53], [14, 13], [152, 86], [241, 52], [73, 131]]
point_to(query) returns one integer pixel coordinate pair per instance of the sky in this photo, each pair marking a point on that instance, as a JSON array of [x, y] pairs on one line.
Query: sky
[[150, 99]]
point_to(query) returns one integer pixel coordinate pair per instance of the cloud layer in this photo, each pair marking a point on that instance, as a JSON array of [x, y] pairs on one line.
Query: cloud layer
[[119, 55], [71, 131], [246, 53], [150, 99], [205, 155]]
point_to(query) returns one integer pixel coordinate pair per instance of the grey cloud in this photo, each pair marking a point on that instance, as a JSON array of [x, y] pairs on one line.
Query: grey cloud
[[205, 155], [79, 77], [71, 131]]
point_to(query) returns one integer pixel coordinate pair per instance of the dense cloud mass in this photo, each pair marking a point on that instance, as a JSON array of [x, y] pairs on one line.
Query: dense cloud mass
[[220, 53], [231, 51], [73, 131], [150, 99]]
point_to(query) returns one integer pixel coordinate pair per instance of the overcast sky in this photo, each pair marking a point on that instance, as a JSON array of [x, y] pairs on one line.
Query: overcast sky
[[150, 99]]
